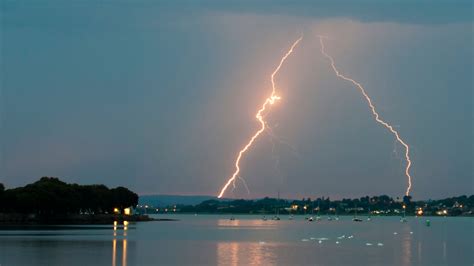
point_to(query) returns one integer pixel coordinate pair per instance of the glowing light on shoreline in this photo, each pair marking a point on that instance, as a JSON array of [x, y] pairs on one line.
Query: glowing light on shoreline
[[260, 117], [374, 112]]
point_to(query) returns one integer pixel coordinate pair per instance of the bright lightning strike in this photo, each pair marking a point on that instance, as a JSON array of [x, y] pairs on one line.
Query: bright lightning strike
[[374, 112], [269, 101]]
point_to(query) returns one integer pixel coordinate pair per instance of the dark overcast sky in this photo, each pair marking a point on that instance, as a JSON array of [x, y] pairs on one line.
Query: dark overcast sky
[[159, 97]]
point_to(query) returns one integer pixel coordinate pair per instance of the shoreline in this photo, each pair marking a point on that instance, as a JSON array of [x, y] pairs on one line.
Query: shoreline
[[296, 215], [15, 219]]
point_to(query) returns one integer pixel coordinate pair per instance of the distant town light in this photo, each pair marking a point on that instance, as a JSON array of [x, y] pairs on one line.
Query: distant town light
[[116, 211], [127, 211], [442, 212]]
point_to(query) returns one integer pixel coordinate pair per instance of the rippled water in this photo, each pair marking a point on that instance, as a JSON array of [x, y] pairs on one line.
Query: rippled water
[[214, 239]]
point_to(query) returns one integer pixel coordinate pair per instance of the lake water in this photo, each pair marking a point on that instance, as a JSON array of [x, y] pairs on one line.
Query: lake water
[[248, 240]]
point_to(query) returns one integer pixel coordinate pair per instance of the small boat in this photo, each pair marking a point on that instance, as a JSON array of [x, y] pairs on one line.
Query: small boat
[[355, 219], [277, 210], [232, 218], [264, 218], [290, 217], [310, 219], [318, 217]]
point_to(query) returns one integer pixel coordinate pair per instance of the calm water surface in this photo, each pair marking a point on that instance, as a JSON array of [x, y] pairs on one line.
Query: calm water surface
[[214, 239]]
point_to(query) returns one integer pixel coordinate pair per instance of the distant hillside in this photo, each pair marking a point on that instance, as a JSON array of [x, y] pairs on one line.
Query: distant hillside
[[167, 200]]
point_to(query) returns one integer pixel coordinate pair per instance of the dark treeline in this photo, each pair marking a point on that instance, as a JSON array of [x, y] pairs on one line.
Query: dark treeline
[[384, 205], [49, 195]]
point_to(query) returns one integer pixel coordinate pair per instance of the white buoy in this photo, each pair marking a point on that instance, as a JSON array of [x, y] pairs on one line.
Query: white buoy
[[395, 233]]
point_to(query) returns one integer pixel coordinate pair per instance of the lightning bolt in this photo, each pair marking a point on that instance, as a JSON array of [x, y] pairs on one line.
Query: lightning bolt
[[280, 140], [274, 139], [374, 112], [260, 117], [243, 182]]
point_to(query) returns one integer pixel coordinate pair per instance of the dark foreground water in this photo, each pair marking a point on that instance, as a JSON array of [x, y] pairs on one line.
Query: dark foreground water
[[213, 239]]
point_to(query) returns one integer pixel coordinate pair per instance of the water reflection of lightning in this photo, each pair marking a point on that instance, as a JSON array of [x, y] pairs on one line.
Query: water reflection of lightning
[[260, 117], [374, 112]]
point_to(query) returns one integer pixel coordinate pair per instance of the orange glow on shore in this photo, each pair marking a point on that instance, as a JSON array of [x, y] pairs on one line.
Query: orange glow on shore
[[260, 117], [374, 112]]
